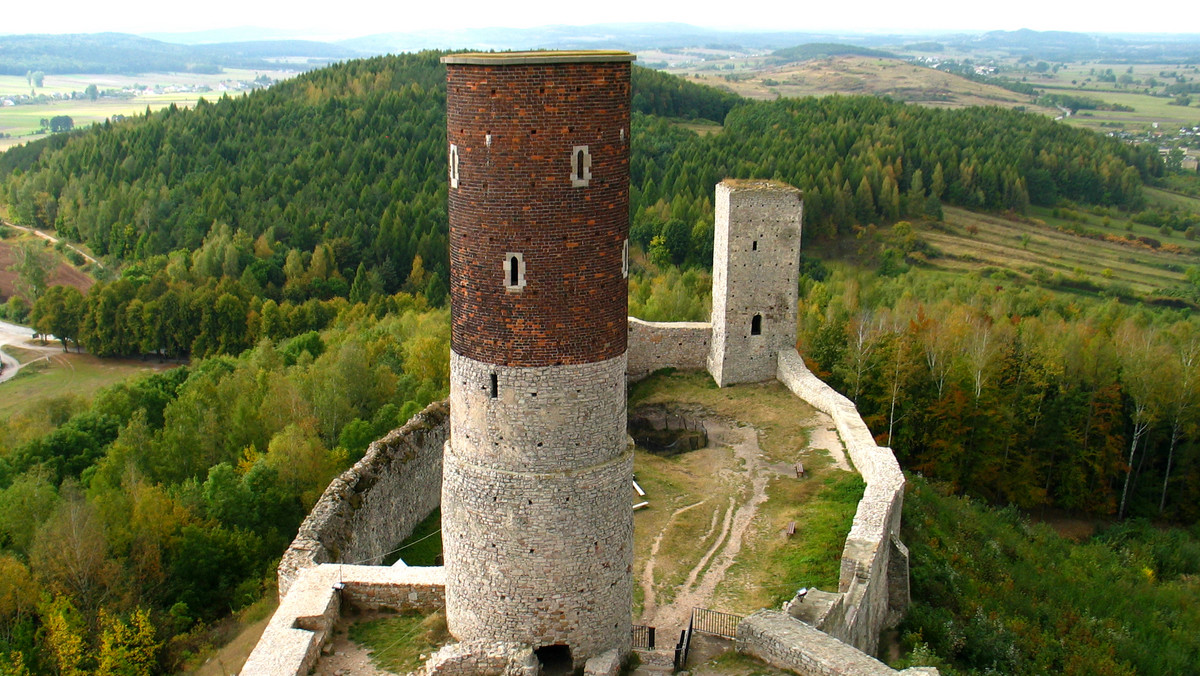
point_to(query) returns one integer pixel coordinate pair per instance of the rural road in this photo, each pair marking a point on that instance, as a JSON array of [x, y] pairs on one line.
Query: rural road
[[53, 240], [14, 334]]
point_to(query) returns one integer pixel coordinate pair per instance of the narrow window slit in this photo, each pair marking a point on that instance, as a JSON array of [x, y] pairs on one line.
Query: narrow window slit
[[756, 325], [495, 386]]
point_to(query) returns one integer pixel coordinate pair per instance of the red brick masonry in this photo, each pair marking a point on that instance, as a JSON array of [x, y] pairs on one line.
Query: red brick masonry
[[516, 196]]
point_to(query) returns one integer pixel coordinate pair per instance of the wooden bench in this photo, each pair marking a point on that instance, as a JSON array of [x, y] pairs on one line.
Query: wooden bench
[[791, 529], [799, 470]]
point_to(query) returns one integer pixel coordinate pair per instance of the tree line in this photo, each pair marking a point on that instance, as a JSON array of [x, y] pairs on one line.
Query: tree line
[[1017, 395]]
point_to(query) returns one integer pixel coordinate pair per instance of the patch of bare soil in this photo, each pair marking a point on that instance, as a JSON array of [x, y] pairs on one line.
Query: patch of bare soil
[[63, 274], [347, 658], [697, 591]]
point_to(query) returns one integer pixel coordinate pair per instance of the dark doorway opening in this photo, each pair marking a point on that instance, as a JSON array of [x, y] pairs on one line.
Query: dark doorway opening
[[555, 660]]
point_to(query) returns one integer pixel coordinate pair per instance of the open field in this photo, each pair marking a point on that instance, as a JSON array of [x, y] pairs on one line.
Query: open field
[[867, 75], [62, 273], [975, 242], [21, 121], [52, 374], [1147, 110]]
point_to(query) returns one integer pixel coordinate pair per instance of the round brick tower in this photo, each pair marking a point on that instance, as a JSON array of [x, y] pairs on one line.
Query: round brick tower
[[537, 523]]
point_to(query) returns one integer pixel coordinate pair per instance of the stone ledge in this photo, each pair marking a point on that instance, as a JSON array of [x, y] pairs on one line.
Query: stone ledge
[[291, 643], [788, 643]]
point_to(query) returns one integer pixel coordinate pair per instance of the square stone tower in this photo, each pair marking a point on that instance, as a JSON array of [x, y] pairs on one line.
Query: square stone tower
[[756, 271]]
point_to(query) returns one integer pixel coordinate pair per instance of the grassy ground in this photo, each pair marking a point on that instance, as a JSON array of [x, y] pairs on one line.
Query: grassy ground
[[701, 127], [770, 566], [424, 546], [398, 641], [862, 75], [63, 375], [984, 242], [22, 121], [238, 635]]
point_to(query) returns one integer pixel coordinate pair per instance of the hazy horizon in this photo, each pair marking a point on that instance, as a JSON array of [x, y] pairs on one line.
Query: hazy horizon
[[356, 18]]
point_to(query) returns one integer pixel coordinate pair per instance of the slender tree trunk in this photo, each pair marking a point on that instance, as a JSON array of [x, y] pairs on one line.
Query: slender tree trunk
[[1138, 429], [1162, 501]]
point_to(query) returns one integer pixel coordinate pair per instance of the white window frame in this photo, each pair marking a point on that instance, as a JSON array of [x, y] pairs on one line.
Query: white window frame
[[577, 171], [453, 165], [520, 285]]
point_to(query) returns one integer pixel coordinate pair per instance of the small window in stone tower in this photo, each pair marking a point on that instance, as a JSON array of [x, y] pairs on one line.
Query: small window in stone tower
[[581, 166], [754, 245], [514, 271], [495, 386], [625, 260], [453, 165], [756, 325]]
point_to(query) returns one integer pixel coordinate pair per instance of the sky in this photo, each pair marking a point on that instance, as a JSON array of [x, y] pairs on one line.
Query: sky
[[352, 18]]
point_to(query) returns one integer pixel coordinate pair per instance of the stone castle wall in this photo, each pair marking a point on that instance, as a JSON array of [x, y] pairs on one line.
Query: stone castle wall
[[873, 585], [657, 345], [371, 507], [778, 639], [291, 643]]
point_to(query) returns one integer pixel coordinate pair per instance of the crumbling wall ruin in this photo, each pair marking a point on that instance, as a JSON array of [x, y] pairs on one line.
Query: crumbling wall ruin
[[371, 507]]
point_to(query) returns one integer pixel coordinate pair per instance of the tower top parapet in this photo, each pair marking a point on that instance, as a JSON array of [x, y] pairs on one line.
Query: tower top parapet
[[758, 184], [539, 57]]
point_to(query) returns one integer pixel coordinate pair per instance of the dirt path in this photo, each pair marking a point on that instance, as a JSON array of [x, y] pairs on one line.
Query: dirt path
[[823, 435], [702, 580], [650, 600], [53, 240], [346, 658]]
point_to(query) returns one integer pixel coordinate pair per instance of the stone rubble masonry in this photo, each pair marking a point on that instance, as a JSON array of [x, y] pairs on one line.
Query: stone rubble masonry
[[787, 643], [536, 510], [874, 571], [656, 345], [606, 664], [291, 643], [517, 122], [756, 270], [373, 506], [482, 658]]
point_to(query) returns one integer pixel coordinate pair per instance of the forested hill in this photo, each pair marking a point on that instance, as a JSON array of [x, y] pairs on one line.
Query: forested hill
[[353, 153], [123, 53]]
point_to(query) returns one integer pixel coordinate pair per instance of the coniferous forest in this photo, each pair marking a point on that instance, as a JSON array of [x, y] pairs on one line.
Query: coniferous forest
[[291, 246]]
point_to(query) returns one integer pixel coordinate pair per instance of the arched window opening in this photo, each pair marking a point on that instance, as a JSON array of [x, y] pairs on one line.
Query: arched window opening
[[756, 325], [514, 271], [581, 166]]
